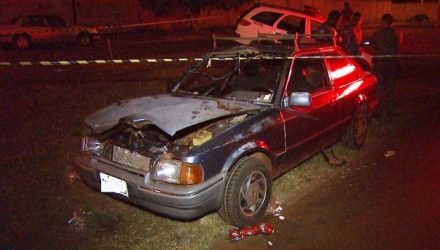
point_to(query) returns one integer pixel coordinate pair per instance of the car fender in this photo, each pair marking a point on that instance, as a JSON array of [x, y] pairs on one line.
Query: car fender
[[367, 98], [247, 149]]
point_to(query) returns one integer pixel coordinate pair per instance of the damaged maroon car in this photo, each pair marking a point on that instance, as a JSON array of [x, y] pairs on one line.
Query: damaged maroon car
[[235, 121]]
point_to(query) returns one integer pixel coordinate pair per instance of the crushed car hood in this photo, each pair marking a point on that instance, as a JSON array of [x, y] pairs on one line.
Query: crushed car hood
[[169, 113]]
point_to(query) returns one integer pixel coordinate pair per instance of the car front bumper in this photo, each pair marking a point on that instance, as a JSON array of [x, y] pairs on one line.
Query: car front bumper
[[177, 201]]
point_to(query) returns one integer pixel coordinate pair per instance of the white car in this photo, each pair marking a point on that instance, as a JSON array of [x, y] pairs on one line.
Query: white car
[[264, 19], [41, 29]]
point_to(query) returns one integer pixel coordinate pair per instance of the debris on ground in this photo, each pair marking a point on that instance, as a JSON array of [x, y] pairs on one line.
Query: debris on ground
[[269, 243], [72, 174], [275, 209], [78, 222], [240, 233], [389, 153]]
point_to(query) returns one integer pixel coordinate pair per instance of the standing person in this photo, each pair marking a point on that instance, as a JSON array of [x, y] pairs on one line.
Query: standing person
[[346, 13], [327, 31], [357, 27], [352, 35], [386, 65]]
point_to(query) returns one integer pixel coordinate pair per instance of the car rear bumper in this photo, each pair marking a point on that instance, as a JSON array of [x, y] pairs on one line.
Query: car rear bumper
[[177, 201]]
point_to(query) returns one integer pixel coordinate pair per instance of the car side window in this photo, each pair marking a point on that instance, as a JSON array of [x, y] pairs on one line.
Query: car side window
[[314, 26], [34, 21], [342, 69], [293, 24], [267, 17], [55, 21], [308, 75], [27, 21]]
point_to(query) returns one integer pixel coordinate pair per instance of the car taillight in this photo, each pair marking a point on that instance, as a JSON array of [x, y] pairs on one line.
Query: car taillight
[[244, 22]]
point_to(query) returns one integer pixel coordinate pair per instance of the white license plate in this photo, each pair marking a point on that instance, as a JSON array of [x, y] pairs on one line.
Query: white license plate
[[110, 184]]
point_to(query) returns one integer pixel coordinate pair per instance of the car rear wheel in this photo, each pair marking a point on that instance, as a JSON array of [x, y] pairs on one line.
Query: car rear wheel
[[248, 191], [84, 39], [22, 42], [357, 131]]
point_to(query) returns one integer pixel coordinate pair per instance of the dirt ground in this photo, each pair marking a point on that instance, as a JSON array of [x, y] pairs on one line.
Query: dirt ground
[[43, 204]]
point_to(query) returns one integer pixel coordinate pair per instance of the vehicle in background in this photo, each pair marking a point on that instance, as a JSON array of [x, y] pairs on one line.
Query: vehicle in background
[[418, 18], [235, 121], [263, 19], [42, 29]]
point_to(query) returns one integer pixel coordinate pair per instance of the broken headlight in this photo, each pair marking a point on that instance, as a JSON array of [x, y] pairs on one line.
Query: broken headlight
[[178, 172], [91, 145]]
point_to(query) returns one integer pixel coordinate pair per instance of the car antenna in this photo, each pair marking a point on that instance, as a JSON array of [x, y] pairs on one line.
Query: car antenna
[[214, 41], [295, 42]]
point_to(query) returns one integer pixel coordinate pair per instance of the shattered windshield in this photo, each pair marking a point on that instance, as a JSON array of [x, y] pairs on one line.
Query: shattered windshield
[[252, 79]]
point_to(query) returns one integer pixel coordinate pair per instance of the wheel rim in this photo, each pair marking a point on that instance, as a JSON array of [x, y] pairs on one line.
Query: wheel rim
[[253, 193], [85, 40], [361, 129], [22, 43]]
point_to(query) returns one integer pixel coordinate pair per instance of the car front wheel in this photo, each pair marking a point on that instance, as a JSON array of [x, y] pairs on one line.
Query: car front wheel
[[84, 39], [248, 192], [22, 42]]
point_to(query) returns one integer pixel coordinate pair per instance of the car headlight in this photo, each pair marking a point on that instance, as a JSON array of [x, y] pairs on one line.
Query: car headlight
[[178, 172], [91, 145]]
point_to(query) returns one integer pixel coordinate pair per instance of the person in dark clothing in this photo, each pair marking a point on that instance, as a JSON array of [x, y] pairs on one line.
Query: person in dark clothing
[[351, 35], [386, 65], [327, 30], [346, 13], [356, 20], [349, 43]]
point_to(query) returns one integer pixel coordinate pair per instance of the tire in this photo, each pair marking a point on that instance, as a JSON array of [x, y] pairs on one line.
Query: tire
[[84, 39], [365, 66], [357, 131], [22, 42], [248, 191]]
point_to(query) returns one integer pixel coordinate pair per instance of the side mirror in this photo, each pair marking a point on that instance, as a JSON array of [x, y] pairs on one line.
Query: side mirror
[[300, 99]]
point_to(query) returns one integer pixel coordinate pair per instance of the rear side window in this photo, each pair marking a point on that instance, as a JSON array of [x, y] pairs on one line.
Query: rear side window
[[55, 21], [314, 26], [308, 74], [293, 24], [267, 17], [34, 21], [342, 69]]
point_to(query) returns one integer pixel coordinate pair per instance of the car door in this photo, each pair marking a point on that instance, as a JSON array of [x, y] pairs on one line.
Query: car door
[[307, 128], [263, 22], [346, 77], [290, 24]]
